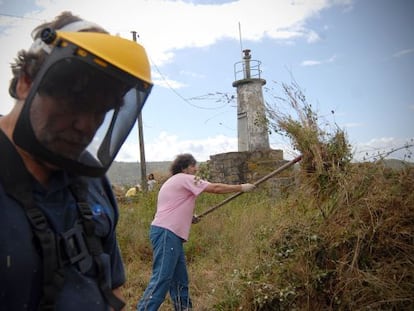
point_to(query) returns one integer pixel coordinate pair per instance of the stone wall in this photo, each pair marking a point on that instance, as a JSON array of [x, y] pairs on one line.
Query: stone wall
[[243, 167]]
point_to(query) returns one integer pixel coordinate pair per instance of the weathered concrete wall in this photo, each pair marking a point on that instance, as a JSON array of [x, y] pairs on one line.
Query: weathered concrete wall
[[251, 118], [243, 167]]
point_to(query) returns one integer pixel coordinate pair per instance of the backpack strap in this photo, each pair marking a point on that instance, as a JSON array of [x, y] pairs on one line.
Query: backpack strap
[[17, 182], [80, 191]]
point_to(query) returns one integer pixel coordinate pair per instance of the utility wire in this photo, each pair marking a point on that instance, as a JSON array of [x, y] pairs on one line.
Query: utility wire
[[178, 94], [186, 100]]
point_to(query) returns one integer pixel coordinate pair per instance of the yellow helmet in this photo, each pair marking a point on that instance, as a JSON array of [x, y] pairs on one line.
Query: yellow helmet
[[94, 79], [128, 55]]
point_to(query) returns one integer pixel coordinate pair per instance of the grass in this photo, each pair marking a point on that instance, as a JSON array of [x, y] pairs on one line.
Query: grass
[[219, 245], [354, 251], [340, 238]]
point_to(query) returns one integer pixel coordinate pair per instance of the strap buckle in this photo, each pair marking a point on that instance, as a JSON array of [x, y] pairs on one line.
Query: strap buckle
[[74, 248], [37, 219]]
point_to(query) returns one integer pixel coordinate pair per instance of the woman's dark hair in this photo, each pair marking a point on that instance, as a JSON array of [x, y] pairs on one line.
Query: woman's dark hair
[[28, 63], [182, 162]]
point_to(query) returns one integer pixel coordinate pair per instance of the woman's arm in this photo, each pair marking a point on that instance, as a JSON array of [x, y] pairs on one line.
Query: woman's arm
[[226, 188]]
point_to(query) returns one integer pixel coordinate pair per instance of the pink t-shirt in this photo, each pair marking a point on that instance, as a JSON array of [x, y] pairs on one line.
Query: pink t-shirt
[[176, 203]]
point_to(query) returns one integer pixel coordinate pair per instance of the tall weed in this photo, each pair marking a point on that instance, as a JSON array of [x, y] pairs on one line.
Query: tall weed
[[341, 237]]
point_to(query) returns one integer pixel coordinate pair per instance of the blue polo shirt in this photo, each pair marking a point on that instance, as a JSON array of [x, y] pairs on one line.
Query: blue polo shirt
[[20, 261]]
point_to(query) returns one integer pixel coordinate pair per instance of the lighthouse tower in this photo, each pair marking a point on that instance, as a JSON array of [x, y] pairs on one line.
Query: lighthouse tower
[[254, 156], [253, 134]]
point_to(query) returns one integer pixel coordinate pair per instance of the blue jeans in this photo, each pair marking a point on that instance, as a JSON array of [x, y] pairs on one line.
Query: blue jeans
[[169, 272]]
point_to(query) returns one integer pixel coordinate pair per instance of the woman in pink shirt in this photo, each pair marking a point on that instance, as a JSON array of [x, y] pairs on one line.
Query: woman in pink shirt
[[171, 228]]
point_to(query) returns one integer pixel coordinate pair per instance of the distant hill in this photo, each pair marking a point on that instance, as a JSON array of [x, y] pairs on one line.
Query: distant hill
[[397, 164], [129, 173]]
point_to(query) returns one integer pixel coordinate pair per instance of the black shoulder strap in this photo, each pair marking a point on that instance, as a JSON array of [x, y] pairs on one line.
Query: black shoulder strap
[[17, 182], [94, 244]]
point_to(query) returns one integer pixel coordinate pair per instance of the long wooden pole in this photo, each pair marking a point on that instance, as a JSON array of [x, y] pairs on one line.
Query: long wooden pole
[[258, 182], [144, 184]]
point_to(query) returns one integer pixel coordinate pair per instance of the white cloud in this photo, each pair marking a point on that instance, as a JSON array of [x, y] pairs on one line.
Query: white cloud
[[383, 146], [311, 63], [313, 37], [402, 53], [166, 146], [168, 83], [191, 74], [318, 62], [164, 26]]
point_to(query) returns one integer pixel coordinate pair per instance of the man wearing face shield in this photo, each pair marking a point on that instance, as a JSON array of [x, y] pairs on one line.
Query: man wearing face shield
[[78, 92]]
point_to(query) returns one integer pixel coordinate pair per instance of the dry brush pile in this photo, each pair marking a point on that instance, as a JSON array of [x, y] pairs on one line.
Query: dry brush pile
[[347, 239], [340, 238]]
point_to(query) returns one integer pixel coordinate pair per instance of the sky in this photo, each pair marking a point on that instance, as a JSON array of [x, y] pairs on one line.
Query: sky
[[352, 57]]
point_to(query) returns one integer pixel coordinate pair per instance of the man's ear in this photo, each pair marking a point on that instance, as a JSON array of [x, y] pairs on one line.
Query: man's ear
[[23, 87]]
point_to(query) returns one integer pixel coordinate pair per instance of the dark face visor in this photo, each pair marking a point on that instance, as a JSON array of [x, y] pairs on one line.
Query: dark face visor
[[79, 112]]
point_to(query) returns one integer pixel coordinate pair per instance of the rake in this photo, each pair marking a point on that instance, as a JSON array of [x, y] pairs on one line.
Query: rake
[[197, 218]]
